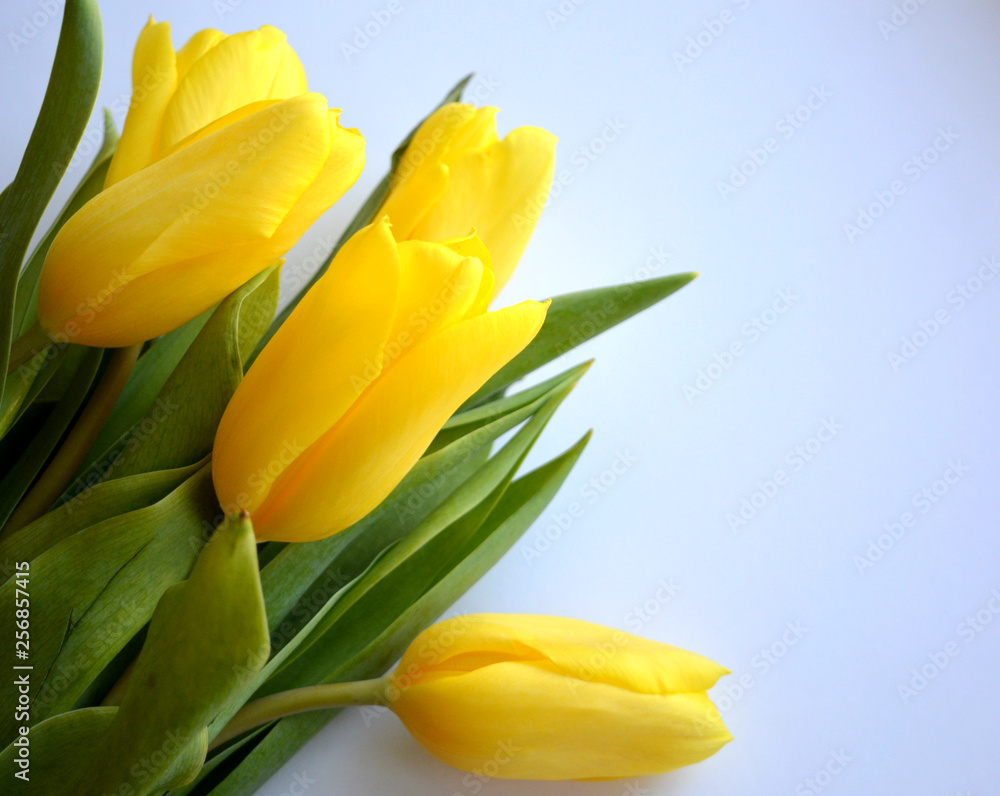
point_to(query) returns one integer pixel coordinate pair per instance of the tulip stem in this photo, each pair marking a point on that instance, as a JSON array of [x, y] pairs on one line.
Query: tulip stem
[[300, 700], [32, 342], [67, 460]]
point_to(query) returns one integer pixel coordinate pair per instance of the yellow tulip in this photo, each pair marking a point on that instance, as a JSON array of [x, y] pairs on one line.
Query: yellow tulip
[[457, 175], [225, 160], [359, 379], [540, 697]]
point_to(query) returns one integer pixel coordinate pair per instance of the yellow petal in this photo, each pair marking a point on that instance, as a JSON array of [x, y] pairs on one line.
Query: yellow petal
[[197, 46], [154, 78], [219, 124], [437, 288], [189, 214], [340, 171], [500, 190], [235, 186], [472, 246], [422, 176], [318, 363], [578, 649], [520, 721], [240, 69], [478, 133], [348, 471]]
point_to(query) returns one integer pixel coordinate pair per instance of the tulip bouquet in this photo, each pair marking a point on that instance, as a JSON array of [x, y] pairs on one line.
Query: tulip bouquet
[[220, 523]]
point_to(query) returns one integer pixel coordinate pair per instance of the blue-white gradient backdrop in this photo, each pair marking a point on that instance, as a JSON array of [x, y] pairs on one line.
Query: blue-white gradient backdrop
[[833, 171]]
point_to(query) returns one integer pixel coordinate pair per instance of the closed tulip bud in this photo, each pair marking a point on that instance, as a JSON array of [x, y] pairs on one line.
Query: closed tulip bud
[[356, 383], [539, 697], [457, 175], [225, 160]]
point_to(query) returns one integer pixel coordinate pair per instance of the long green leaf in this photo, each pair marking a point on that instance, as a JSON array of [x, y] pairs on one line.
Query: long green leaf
[[96, 589], [521, 505], [575, 318], [30, 463], [177, 688], [187, 411], [138, 399], [27, 382], [55, 748], [99, 503], [25, 305], [69, 100], [411, 566], [302, 576]]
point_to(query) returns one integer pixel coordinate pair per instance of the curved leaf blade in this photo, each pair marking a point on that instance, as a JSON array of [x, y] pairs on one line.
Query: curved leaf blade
[[69, 100]]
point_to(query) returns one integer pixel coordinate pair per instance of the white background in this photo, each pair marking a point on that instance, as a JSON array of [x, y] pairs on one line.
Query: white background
[[666, 518]]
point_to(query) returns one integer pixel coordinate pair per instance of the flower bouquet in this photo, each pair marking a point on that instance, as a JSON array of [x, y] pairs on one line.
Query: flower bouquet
[[222, 522]]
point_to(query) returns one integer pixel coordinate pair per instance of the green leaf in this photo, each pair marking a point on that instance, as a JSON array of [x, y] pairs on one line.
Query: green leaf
[[56, 747], [25, 304], [482, 484], [207, 639], [69, 100], [157, 738], [137, 399], [252, 684], [411, 566], [96, 589], [302, 576], [27, 382], [32, 460], [188, 409], [364, 216], [100, 502], [575, 318], [520, 506], [462, 422]]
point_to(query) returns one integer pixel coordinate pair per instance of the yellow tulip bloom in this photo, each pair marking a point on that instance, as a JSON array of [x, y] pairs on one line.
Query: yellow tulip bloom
[[224, 162], [540, 697], [359, 379], [175, 94], [457, 175]]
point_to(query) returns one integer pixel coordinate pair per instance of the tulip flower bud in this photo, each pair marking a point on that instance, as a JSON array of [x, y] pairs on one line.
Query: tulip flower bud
[[225, 160], [540, 697], [457, 175], [359, 379]]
